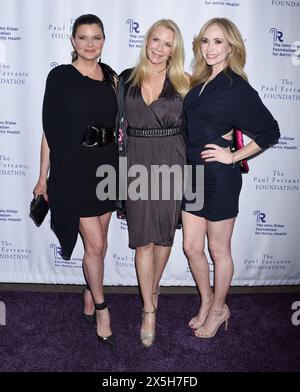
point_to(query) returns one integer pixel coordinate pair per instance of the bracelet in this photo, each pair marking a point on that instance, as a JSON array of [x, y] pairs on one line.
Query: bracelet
[[233, 163]]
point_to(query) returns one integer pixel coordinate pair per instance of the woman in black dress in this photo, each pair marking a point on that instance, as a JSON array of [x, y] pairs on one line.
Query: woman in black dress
[[79, 113], [153, 112], [220, 99]]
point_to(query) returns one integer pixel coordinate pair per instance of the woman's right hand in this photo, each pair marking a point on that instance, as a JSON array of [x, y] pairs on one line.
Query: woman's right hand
[[41, 188]]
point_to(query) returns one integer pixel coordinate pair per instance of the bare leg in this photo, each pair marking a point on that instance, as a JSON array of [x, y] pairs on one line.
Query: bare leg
[[194, 231], [219, 237], [95, 244], [144, 260], [161, 256], [89, 306]]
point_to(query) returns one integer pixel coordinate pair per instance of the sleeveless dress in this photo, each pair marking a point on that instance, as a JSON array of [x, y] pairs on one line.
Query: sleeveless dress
[[154, 221]]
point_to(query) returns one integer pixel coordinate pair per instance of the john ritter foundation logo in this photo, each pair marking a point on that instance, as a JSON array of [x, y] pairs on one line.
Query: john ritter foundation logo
[[265, 228], [135, 37], [281, 48]]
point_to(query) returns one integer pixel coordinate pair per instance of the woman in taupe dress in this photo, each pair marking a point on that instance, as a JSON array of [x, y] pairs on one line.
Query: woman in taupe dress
[[153, 112]]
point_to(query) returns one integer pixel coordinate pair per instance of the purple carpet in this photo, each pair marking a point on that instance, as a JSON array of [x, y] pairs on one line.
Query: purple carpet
[[46, 332]]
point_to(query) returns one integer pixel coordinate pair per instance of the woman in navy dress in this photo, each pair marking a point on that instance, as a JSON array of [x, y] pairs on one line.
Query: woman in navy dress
[[220, 100]]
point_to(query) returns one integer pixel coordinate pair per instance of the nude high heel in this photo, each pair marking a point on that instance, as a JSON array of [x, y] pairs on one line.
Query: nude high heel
[[224, 315], [150, 337]]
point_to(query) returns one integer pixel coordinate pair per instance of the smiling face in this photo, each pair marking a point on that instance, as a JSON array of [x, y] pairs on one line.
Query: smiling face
[[215, 48], [88, 41], [159, 46]]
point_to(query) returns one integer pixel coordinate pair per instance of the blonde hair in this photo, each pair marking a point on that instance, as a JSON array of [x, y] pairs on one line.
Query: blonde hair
[[175, 64], [236, 58]]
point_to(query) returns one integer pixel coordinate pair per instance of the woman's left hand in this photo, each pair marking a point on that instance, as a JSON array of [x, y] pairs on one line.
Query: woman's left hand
[[217, 154]]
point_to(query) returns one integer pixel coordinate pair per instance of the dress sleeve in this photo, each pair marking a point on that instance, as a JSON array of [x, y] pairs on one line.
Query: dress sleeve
[[243, 108], [51, 107]]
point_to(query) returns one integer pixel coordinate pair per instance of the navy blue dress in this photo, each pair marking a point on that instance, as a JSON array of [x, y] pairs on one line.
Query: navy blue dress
[[228, 101]]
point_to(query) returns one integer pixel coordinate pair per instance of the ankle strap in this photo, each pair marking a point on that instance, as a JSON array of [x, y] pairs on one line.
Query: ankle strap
[[101, 306], [153, 311]]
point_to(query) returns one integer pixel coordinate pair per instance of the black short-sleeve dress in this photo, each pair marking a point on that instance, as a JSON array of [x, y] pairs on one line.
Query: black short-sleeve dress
[[73, 102]]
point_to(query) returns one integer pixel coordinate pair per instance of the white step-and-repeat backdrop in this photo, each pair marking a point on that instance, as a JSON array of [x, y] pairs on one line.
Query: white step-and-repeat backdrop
[[34, 37]]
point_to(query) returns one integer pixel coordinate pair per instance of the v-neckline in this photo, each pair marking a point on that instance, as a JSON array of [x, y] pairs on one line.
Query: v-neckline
[[159, 96], [203, 88]]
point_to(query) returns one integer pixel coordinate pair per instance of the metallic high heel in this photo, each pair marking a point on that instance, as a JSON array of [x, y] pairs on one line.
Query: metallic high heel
[[194, 323], [108, 340], [147, 336], [224, 317], [89, 318]]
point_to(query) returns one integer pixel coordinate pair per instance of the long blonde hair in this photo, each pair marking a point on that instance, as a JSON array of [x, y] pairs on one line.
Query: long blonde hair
[[175, 65], [236, 59]]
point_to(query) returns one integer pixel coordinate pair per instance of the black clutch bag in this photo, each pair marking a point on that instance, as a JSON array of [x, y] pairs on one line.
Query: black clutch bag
[[39, 208]]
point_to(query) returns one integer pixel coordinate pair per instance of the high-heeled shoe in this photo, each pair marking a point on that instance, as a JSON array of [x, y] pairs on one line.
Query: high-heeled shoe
[[89, 318], [147, 337], [108, 340], [224, 315], [194, 323]]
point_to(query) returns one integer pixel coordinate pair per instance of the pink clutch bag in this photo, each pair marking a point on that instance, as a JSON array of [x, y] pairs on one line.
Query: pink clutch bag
[[238, 144]]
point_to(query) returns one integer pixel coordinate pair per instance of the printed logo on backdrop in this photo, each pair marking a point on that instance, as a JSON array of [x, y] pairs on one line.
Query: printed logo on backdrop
[[74, 262], [265, 228], [10, 252], [276, 181], [9, 215], [61, 31], [286, 143], [267, 262], [12, 76], [10, 167], [285, 3], [283, 90], [10, 33], [8, 127], [222, 3], [135, 39], [281, 48], [124, 261]]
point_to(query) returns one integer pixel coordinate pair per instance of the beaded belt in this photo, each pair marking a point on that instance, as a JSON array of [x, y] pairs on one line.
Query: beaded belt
[[96, 135], [153, 132]]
